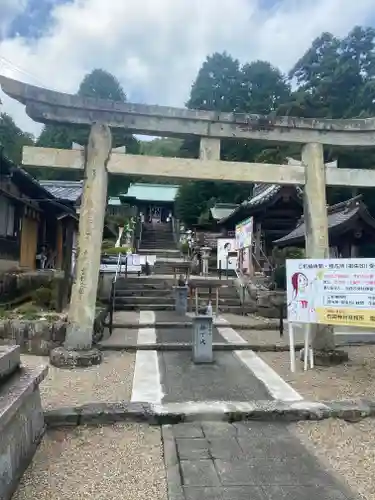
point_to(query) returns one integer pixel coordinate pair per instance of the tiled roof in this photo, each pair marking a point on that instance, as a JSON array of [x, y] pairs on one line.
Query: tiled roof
[[152, 192], [338, 215], [222, 210], [262, 193], [64, 190]]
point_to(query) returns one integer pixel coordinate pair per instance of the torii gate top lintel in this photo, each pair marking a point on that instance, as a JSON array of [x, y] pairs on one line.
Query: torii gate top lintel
[[47, 106]]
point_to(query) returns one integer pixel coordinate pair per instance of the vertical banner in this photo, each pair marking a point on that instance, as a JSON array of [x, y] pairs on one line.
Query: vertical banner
[[244, 234]]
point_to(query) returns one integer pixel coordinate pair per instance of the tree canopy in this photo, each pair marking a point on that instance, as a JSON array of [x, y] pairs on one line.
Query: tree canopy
[[101, 85], [12, 138], [335, 78]]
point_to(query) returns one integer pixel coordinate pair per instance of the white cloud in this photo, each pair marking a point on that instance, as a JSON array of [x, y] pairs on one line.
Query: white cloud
[[155, 48]]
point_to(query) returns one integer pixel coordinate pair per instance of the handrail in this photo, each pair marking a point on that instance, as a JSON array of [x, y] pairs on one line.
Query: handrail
[[112, 298]]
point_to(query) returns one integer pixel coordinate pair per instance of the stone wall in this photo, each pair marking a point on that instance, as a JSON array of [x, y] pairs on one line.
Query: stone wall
[[259, 300], [19, 438], [17, 284], [40, 336]]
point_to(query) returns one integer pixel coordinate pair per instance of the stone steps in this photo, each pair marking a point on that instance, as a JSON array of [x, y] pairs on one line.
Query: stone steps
[[153, 284], [154, 246], [151, 306], [161, 299], [155, 292], [10, 360]]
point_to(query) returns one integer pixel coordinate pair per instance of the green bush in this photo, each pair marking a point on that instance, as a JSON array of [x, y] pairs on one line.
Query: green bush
[[279, 277], [184, 247], [107, 244], [116, 250], [279, 257], [42, 297]]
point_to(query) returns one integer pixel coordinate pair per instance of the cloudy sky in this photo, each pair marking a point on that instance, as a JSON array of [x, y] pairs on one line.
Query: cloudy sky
[[155, 47]]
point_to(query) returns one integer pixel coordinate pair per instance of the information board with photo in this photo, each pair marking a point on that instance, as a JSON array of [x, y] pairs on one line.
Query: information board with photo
[[331, 291], [224, 246]]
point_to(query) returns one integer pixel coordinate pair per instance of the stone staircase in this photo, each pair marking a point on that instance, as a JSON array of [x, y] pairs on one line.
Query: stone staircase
[[144, 293], [158, 240], [157, 294]]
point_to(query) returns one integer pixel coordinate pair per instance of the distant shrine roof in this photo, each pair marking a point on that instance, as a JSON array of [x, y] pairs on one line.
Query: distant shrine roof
[[261, 194], [339, 217]]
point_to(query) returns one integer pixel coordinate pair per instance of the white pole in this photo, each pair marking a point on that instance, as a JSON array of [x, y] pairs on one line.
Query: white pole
[[292, 351]]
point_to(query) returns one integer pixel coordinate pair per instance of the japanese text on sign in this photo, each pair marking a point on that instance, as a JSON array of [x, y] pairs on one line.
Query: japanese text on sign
[[331, 291]]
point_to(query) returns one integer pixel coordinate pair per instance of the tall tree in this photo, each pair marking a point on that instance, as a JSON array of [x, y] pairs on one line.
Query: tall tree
[[222, 85], [335, 79], [12, 138], [98, 84], [263, 88]]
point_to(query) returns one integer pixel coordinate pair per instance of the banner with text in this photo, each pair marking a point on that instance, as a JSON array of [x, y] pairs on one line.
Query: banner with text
[[331, 291], [244, 234]]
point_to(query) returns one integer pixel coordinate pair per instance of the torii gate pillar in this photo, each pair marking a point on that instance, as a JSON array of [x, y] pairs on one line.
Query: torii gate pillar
[[77, 350], [316, 237]]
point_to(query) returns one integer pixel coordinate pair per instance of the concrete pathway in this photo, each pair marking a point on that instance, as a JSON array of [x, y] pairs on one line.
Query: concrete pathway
[[171, 376], [227, 379], [257, 461]]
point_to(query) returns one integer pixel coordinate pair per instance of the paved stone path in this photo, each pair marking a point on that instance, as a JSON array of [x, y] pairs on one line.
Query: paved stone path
[[244, 461], [224, 380], [183, 335]]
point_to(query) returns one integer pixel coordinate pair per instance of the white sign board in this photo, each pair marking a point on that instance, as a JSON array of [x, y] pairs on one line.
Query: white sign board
[[331, 291], [134, 265], [224, 246]]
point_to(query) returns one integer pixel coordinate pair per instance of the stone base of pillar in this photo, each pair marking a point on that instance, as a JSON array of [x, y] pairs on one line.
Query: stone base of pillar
[[330, 358], [62, 358]]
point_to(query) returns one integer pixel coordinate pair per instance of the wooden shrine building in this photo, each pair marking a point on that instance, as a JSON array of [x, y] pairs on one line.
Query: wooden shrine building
[[276, 211], [31, 219], [350, 228]]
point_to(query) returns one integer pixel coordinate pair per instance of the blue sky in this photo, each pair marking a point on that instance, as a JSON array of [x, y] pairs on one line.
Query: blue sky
[[34, 19], [155, 47]]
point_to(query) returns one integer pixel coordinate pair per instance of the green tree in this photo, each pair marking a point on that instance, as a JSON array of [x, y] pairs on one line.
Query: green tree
[[12, 138], [98, 84], [222, 85], [335, 79], [168, 147]]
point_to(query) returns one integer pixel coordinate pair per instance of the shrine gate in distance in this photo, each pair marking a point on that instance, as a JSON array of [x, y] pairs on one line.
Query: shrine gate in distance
[[46, 106]]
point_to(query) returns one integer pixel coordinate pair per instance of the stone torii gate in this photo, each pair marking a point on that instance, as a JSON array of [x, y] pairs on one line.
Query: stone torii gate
[[47, 106]]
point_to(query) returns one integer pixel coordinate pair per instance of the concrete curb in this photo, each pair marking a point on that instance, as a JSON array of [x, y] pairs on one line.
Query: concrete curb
[[172, 466], [180, 346], [188, 324], [225, 411]]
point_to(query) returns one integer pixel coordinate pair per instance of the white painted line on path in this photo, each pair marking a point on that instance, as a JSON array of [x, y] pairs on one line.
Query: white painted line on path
[[277, 386], [146, 317], [146, 335], [146, 381]]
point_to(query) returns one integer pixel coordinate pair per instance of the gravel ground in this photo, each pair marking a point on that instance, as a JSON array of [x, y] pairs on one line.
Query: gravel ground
[[112, 381], [102, 463], [354, 379], [262, 337], [348, 449], [250, 319]]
